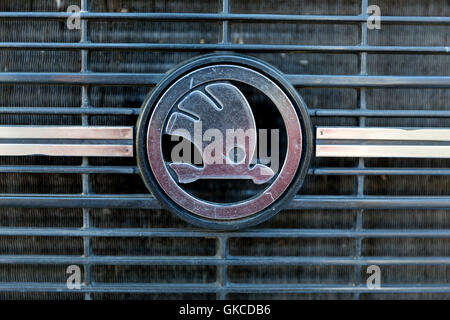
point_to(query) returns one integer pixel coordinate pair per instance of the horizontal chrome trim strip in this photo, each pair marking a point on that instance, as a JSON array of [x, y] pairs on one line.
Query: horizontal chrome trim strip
[[387, 151], [353, 171], [75, 141], [66, 150], [65, 132], [382, 142], [400, 134]]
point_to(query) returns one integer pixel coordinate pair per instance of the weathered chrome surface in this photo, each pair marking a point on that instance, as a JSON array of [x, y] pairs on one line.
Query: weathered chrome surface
[[229, 111], [385, 151], [54, 132], [402, 134], [383, 142], [66, 150], [204, 76], [66, 141]]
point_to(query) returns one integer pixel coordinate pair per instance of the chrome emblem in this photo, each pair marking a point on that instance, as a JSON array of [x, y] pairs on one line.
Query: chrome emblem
[[229, 112], [224, 108]]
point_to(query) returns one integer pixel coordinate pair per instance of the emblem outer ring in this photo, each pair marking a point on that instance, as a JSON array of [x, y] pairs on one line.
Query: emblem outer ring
[[288, 181]]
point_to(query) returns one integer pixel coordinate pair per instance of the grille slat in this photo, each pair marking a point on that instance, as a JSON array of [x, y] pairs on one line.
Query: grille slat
[[230, 261], [70, 169], [257, 233], [413, 50], [148, 202], [148, 79], [218, 17], [195, 288]]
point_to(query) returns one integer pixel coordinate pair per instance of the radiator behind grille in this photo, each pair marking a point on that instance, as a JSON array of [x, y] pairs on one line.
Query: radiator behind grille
[[351, 213]]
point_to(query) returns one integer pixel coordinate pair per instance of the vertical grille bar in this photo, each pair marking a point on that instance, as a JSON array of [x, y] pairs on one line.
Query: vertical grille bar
[[225, 9], [222, 242], [222, 277], [86, 183], [362, 123]]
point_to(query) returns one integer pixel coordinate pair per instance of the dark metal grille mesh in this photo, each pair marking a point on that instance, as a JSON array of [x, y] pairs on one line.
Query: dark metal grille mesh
[[307, 252]]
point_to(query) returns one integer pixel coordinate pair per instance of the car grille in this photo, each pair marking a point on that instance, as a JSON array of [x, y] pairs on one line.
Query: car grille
[[350, 213]]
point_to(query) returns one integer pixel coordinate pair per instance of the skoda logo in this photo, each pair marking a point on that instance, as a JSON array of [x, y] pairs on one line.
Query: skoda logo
[[224, 141]]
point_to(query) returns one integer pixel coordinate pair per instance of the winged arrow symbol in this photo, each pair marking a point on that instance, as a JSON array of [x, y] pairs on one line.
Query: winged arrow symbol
[[224, 109]]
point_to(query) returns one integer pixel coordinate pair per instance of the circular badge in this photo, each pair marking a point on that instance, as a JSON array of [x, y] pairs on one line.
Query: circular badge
[[224, 141]]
